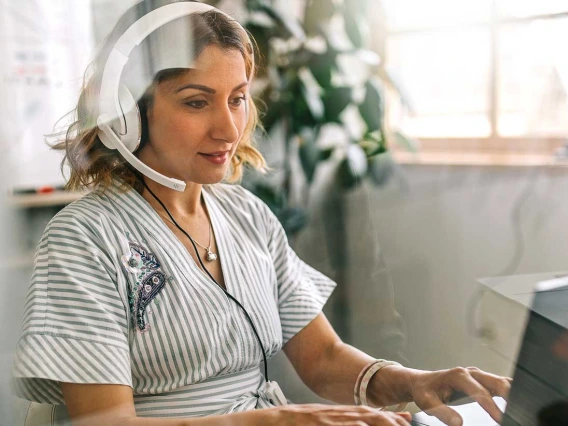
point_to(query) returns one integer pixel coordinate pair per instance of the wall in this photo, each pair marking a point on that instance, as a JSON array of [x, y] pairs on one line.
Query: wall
[[439, 229], [451, 226]]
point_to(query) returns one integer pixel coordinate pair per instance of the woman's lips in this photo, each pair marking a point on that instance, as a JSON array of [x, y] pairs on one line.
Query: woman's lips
[[216, 157]]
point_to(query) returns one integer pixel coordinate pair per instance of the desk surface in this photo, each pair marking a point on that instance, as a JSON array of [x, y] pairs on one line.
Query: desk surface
[[519, 288]]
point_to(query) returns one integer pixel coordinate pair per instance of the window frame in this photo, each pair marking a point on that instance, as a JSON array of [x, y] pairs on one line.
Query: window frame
[[494, 150]]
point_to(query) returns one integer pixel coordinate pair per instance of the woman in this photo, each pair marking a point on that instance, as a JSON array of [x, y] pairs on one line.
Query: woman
[[150, 306]]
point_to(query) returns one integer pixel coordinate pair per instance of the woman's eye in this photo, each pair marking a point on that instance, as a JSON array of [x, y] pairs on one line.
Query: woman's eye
[[196, 104], [239, 100]]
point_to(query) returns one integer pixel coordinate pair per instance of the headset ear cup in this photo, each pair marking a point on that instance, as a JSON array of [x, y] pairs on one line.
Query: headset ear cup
[[130, 124]]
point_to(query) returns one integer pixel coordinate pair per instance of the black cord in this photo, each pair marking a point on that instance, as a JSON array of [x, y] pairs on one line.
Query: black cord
[[215, 281]]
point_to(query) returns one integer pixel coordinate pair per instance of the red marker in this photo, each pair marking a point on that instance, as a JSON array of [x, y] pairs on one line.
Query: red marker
[[45, 189]]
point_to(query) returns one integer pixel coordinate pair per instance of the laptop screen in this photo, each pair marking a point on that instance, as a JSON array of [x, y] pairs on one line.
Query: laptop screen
[[539, 395]]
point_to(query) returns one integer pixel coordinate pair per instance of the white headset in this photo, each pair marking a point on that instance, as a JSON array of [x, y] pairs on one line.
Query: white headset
[[119, 123]]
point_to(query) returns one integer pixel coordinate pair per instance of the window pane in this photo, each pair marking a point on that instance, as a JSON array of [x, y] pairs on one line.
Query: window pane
[[525, 8], [533, 79], [446, 76], [409, 14]]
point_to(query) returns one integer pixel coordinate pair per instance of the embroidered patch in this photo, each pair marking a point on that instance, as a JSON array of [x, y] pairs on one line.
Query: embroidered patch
[[149, 282]]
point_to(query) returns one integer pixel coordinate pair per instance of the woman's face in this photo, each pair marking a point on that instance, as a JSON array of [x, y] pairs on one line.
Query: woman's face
[[195, 121]]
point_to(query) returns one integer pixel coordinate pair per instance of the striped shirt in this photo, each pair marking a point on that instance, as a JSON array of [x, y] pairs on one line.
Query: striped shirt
[[115, 298]]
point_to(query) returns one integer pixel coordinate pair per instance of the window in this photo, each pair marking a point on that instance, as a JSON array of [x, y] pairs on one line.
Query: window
[[490, 71]]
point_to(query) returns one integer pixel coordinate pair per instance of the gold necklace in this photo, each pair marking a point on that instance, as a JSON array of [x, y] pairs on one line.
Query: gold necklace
[[210, 255]]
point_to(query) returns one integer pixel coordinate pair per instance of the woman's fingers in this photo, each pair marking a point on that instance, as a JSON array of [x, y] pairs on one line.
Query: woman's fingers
[[496, 385], [463, 381], [395, 419], [380, 418], [400, 422], [433, 406], [398, 419], [433, 389], [405, 415], [403, 419], [347, 415], [338, 415]]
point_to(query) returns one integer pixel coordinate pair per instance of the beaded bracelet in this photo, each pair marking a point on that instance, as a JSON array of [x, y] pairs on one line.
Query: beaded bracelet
[[365, 376]]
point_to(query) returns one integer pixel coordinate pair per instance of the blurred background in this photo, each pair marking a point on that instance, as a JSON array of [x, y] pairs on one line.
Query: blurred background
[[417, 147]]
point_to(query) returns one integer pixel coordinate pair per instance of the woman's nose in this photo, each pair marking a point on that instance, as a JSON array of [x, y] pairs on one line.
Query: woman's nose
[[226, 125]]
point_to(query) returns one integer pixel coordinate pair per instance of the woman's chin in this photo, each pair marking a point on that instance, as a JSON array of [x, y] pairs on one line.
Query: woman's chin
[[212, 181], [208, 178]]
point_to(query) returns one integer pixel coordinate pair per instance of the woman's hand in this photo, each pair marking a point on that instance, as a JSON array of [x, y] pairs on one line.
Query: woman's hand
[[344, 415], [432, 390]]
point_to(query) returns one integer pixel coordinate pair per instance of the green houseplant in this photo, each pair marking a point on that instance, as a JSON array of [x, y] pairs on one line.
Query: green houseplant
[[305, 87]]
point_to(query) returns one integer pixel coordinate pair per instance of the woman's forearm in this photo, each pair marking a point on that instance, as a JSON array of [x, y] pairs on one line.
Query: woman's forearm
[[336, 374]]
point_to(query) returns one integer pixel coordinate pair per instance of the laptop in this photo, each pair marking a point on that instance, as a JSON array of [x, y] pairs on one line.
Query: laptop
[[539, 393]]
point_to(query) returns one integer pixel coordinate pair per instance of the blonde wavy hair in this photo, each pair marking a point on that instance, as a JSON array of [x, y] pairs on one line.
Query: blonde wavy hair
[[94, 165]]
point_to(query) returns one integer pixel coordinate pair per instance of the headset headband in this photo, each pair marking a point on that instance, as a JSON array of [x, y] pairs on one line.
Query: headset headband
[[110, 107], [132, 37]]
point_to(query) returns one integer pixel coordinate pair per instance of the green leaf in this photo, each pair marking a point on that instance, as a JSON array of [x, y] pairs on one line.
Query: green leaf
[[322, 67], [371, 109], [381, 168], [370, 58], [271, 108], [356, 28], [272, 196], [261, 35], [325, 154], [298, 108], [317, 12], [373, 143], [335, 100], [353, 168], [357, 160], [406, 142], [376, 136], [253, 5], [311, 93], [292, 219], [271, 115], [308, 152], [289, 26], [359, 7]]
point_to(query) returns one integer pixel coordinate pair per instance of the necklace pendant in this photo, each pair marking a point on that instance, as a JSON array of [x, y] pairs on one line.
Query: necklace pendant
[[210, 255]]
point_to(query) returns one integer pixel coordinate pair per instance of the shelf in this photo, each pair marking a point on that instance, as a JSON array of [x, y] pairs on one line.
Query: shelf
[[57, 198]]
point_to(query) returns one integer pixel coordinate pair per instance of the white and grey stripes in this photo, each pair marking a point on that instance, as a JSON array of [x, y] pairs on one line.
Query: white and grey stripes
[[200, 356]]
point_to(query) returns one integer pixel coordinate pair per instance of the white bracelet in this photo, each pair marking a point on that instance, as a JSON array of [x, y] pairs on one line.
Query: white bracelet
[[362, 383], [358, 382]]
